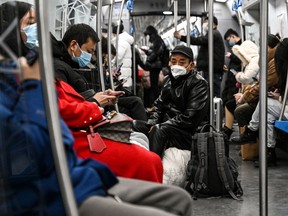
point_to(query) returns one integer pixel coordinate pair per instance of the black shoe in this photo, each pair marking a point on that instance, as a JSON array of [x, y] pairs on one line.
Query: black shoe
[[227, 131], [248, 136], [271, 158]]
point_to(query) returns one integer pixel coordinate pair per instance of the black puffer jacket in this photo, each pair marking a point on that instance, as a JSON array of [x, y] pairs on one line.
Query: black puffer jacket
[[155, 52], [183, 102], [203, 55]]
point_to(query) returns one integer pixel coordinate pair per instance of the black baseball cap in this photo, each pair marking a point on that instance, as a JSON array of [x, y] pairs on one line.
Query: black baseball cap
[[187, 51]]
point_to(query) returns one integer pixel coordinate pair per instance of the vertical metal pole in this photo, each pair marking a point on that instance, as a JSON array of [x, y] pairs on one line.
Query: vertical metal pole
[[109, 49], [46, 67], [211, 51], [263, 107], [99, 47], [188, 9], [176, 18], [135, 69], [118, 30]]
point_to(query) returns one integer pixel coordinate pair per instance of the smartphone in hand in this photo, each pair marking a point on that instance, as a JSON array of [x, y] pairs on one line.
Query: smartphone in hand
[[233, 71], [269, 94], [32, 55]]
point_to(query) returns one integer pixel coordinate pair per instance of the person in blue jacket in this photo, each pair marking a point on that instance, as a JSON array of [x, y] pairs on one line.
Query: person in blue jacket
[[28, 177]]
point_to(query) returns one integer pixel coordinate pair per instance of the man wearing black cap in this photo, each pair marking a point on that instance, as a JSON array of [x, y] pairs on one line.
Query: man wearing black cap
[[203, 55], [181, 106]]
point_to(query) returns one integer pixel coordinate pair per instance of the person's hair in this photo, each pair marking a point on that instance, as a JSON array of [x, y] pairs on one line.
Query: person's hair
[[281, 64], [215, 20], [115, 26], [105, 47], [8, 12], [273, 40], [81, 33], [230, 32], [150, 30]]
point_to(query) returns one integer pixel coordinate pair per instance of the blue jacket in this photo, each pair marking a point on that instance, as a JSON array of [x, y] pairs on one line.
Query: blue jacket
[[26, 160]]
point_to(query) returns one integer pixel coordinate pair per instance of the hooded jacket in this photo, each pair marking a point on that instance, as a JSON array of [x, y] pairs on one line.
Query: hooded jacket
[[251, 92], [124, 55], [248, 53]]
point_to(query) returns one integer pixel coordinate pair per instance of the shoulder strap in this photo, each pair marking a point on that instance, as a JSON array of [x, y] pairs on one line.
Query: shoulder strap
[[220, 159], [203, 159]]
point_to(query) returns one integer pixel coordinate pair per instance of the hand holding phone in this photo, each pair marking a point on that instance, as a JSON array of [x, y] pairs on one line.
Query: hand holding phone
[[32, 55]]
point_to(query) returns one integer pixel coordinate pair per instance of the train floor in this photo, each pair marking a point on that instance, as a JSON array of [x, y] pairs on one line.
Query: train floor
[[249, 177]]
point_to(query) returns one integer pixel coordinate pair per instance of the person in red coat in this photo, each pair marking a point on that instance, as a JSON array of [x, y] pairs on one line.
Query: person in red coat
[[125, 160]]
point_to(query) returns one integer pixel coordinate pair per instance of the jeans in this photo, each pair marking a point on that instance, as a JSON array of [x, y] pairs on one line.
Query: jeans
[[273, 113]]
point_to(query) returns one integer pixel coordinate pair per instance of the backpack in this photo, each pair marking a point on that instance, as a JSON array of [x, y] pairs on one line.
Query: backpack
[[210, 171]]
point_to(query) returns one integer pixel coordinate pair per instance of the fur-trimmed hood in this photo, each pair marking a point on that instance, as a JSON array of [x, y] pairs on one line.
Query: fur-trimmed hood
[[246, 51]]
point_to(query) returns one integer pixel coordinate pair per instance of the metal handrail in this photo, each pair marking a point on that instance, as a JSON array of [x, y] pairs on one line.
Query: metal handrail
[[50, 99], [188, 10], [211, 52], [176, 18], [263, 108], [99, 47], [118, 30], [109, 48]]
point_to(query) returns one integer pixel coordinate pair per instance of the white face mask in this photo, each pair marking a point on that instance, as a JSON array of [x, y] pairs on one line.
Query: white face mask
[[205, 28], [177, 71]]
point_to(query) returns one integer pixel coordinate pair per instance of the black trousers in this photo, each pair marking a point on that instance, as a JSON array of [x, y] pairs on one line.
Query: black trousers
[[164, 136], [133, 107], [151, 94]]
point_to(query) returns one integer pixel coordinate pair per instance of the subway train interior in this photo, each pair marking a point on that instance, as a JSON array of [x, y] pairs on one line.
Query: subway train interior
[[97, 92]]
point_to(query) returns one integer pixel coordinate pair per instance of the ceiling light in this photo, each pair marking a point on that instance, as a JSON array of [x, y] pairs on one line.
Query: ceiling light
[[223, 1], [167, 12]]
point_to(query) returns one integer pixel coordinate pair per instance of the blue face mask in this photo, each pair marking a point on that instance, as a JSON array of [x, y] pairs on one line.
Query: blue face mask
[[84, 59], [31, 34], [231, 43]]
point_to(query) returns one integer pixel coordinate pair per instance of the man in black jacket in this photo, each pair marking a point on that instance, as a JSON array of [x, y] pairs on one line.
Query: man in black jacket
[[180, 107], [203, 55], [74, 52]]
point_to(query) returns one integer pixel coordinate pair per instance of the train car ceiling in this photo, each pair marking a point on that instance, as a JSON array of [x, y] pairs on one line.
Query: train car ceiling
[[150, 12]]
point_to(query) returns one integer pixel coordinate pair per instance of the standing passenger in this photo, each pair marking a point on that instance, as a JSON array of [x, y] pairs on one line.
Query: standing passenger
[[153, 64], [124, 54], [202, 62]]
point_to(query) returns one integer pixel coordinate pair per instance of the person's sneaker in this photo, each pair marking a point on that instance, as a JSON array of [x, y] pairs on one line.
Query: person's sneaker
[[248, 136], [271, 158]]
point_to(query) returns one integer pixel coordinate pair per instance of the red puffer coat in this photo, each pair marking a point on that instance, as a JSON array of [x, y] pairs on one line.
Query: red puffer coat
[[125, 160]]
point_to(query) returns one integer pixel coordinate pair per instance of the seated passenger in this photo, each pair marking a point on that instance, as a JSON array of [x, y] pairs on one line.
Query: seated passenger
[[243, 104], [129, 104], [29, 184], [181, 106], [80, 41], [248, 53], [274, 103]]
